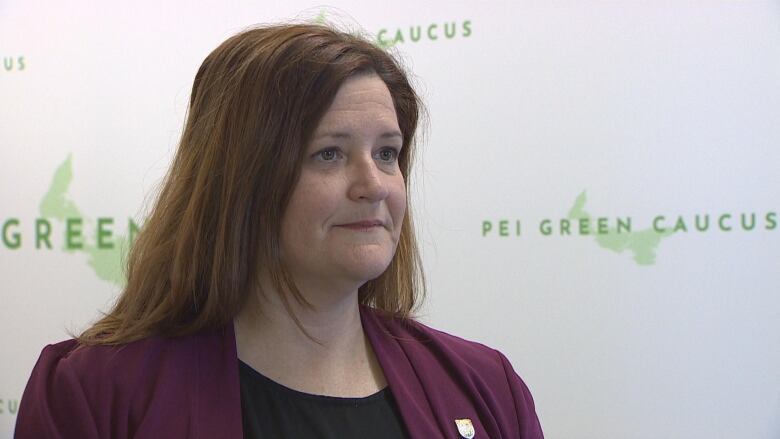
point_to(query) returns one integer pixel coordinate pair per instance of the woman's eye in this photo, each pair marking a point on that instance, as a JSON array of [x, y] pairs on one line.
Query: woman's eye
[[327, 155], [388, 155]]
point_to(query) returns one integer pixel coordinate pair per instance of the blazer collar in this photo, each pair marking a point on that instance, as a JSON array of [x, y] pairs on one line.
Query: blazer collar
[[218, 396], [389, 345]]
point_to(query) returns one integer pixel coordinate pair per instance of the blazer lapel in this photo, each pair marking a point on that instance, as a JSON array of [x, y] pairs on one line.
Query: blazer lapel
[[414, 406]]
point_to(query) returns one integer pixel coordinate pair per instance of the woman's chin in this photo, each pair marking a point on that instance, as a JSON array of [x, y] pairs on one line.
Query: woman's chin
[[366, 266]]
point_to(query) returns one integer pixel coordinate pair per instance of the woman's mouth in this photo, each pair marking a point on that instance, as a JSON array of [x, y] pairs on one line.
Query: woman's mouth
[[362, 225]]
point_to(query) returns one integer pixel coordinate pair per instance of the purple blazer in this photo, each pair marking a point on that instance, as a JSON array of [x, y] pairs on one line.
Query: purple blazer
[[188, 387]]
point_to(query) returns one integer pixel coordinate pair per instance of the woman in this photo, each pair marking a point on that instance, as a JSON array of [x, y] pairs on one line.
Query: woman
[[270, 291]]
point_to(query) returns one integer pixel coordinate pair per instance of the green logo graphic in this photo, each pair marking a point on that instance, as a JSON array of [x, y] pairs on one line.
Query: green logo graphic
[[430, 32], [618, 235], [642, 243], [389, 37], [104, 250], [105, 254], [320, 18]]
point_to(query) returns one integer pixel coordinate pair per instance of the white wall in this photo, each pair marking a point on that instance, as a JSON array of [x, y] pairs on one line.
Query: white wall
[[658, 108]]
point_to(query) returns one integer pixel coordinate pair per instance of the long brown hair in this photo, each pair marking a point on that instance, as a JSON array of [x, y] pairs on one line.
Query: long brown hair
[[255, 103]]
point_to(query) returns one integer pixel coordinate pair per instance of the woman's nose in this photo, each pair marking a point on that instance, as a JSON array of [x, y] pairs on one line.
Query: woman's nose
[[367, 182]]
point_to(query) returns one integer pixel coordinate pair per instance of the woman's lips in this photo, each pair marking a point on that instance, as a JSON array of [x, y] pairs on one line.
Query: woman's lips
[[362, 225]]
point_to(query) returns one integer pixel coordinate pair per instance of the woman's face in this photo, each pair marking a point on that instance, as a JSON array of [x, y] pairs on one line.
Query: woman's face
[[343, 221]]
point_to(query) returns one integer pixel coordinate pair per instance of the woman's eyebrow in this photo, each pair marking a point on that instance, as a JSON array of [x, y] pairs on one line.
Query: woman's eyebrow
[[346, 135]]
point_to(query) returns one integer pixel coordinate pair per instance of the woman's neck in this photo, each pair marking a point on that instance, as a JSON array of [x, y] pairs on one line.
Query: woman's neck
[[339, 363]]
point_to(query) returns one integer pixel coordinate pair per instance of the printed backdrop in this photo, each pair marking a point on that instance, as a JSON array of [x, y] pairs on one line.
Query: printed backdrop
[[598, 195]]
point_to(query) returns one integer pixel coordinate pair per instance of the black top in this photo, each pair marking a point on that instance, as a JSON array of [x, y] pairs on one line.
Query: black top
[[271, 410]]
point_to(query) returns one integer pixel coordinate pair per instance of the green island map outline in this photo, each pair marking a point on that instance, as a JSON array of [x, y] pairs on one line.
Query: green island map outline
[[642, 243], [56, 204]]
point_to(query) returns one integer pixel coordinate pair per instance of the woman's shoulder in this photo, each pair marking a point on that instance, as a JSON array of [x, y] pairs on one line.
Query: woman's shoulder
[[117, 363], [413, 334], [100, 372], [110, 388], [127, 366], [452, 371], [434, 349]]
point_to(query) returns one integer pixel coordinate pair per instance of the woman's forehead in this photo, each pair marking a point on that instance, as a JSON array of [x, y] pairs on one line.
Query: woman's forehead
[[363, 93]]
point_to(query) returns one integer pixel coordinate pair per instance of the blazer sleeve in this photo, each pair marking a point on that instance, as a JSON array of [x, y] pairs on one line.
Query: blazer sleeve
[[54, 404], [528, 421]]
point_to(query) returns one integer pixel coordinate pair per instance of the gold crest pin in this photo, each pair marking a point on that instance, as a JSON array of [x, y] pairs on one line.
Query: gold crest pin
[[465, 428]]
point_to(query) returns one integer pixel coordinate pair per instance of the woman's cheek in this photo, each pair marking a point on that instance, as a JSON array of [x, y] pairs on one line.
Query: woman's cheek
[[397, 205]]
